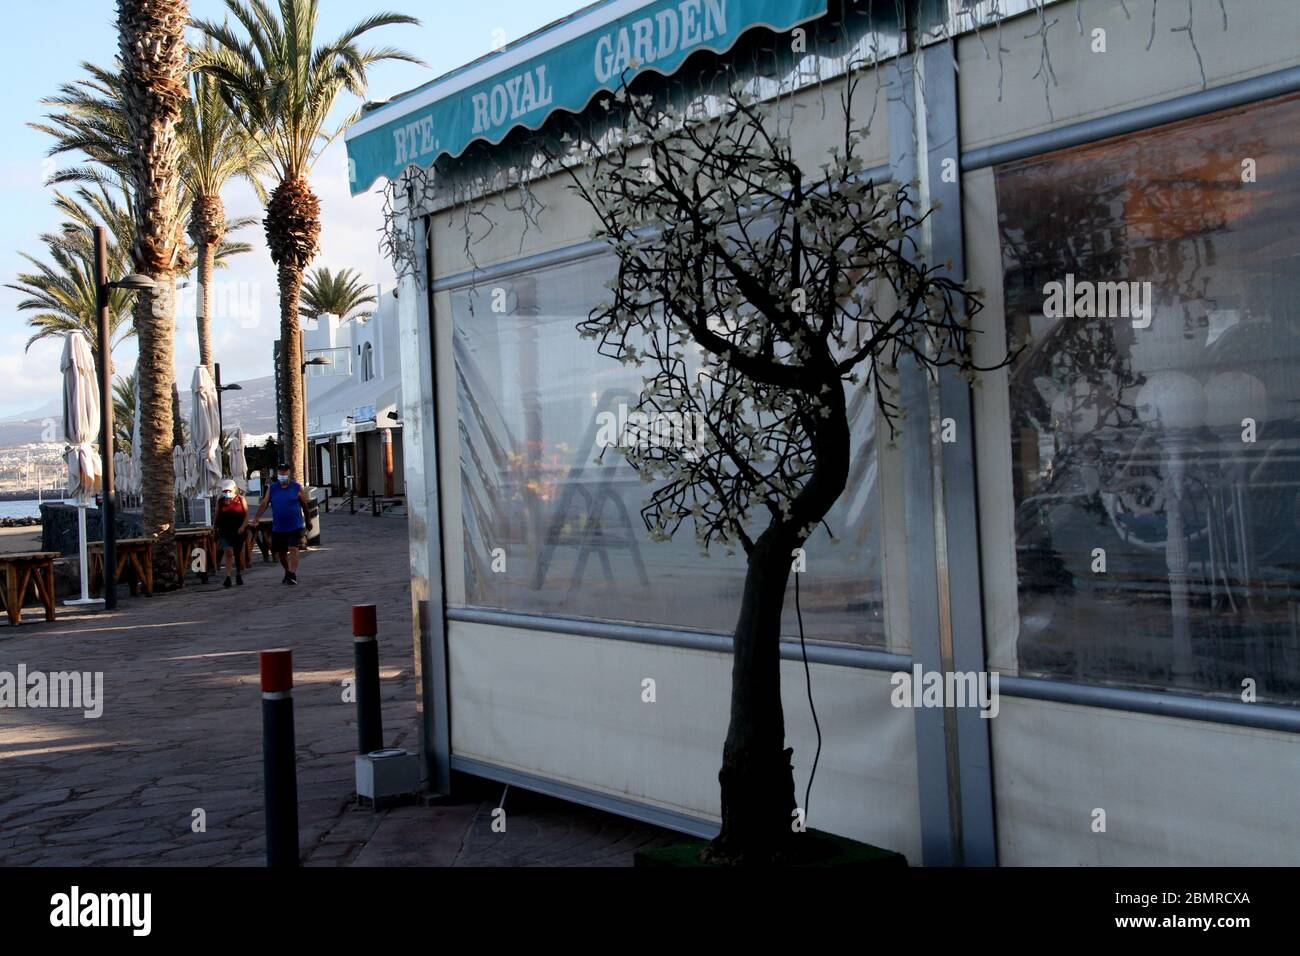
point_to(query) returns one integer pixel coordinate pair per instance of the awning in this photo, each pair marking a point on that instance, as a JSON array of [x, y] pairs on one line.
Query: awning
[[559, 68]]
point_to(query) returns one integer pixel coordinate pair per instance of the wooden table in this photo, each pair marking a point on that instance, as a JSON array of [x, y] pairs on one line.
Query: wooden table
[[138, 552], [33, 569], [187, 539]]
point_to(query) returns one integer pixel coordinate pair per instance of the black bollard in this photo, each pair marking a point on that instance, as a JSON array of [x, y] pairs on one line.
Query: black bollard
[[279, 760], [365, 650]]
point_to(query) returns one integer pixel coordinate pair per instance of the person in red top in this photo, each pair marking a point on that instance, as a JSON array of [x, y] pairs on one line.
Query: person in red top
[[231, 523]]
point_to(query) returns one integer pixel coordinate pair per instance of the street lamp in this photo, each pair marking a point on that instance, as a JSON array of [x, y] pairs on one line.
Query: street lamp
[[134, 282], [318, 360], [233, 387]]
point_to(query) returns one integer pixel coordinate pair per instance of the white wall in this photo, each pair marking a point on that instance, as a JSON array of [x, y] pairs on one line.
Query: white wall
[[1175, 792], [569, 708]]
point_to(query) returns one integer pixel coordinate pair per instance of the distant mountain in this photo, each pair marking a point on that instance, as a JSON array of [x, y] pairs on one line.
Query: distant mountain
[[51, 409], [252, 408]]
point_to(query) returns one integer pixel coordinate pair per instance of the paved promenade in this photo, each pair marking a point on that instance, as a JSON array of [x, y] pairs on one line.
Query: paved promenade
[[181, 731]]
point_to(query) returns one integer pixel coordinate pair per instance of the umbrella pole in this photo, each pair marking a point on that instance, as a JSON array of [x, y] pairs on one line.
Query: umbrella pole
[[85, 569]]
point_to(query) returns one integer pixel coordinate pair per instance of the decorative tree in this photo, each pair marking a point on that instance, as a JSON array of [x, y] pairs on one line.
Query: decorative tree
[[757, 293]]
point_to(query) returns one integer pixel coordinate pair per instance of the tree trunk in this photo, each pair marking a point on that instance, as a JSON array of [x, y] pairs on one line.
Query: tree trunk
[[178, 421], [206, 267], [155, 321], [757, 777], [151, 46], [291, 398]]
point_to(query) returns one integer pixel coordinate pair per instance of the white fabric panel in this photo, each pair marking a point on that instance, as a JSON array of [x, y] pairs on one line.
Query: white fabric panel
[[1262, 36], [569, 708], [1175, 792]]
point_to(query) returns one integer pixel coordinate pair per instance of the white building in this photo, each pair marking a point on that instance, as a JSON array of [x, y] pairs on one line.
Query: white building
[[354, 432]]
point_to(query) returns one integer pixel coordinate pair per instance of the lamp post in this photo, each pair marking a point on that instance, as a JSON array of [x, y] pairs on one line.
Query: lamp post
[[318, 360], [232, 387], [108, 512]]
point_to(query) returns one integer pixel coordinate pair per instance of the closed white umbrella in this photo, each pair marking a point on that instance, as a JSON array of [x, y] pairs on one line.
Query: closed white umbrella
[[178, 469], [122, 471], [136, 484], [238, 462], [80, 424], [191, 463], [205, 432], [80, 414]]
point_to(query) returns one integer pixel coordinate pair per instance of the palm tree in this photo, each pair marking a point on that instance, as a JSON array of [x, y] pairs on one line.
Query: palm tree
[[151, 45], [215, 149], [283, 87], [61, 292], [90, 119], [339, 293]]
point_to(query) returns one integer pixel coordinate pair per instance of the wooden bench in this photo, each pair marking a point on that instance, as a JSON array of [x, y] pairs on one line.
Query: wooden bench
[[137, 552], [34, 569]]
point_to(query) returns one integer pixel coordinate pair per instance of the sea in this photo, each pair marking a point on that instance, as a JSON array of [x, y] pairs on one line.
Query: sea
[[21, 509]]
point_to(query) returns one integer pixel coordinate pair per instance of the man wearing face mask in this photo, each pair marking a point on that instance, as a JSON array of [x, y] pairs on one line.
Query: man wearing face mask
[[289, 507]]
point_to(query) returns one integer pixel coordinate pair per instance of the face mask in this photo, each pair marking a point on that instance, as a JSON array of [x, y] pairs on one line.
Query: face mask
[[283, 479], [227, 495]]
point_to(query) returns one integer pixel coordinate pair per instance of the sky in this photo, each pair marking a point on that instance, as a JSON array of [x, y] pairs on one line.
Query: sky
[[61, 34]]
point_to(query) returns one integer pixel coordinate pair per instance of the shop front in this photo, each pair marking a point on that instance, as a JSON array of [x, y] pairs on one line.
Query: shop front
[[1105, 529]]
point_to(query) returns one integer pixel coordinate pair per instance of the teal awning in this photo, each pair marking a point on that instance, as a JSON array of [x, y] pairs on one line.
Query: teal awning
[[559, 68]]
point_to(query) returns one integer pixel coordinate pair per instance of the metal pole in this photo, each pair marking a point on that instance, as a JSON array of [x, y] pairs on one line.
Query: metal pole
[[365, 652], [279, 761], [108, 512], [221, 418]]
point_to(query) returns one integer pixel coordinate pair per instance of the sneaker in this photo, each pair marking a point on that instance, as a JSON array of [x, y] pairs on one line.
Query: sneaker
[[293, 577], [226, 583], [239, 579], [285, 579]]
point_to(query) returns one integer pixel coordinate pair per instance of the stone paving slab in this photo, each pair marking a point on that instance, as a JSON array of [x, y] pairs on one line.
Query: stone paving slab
[[181, 730], [181, 726]]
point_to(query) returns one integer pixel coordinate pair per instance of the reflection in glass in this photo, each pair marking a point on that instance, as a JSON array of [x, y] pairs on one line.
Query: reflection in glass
[[1156, 479], [553, 520]]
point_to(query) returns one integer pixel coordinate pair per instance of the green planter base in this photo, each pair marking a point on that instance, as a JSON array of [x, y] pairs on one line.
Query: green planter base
[[815, 848]]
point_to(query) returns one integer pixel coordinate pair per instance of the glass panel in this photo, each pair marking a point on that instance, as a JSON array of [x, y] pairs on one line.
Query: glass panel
[[532, 397], [1152, 283]]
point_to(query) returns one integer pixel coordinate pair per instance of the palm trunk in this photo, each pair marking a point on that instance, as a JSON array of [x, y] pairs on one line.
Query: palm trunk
[[155, 322], [151, 44], [206, 266], [291, 398]]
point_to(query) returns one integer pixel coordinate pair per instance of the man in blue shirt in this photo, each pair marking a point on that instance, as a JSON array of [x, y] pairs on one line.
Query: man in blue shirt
[[289, 508]]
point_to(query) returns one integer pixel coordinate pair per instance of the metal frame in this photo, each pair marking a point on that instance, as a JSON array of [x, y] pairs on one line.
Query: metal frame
[[1188, 106], [953, 751], [937, 765], [957, 503], [428, 592], [836, 655], [623, 806]]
